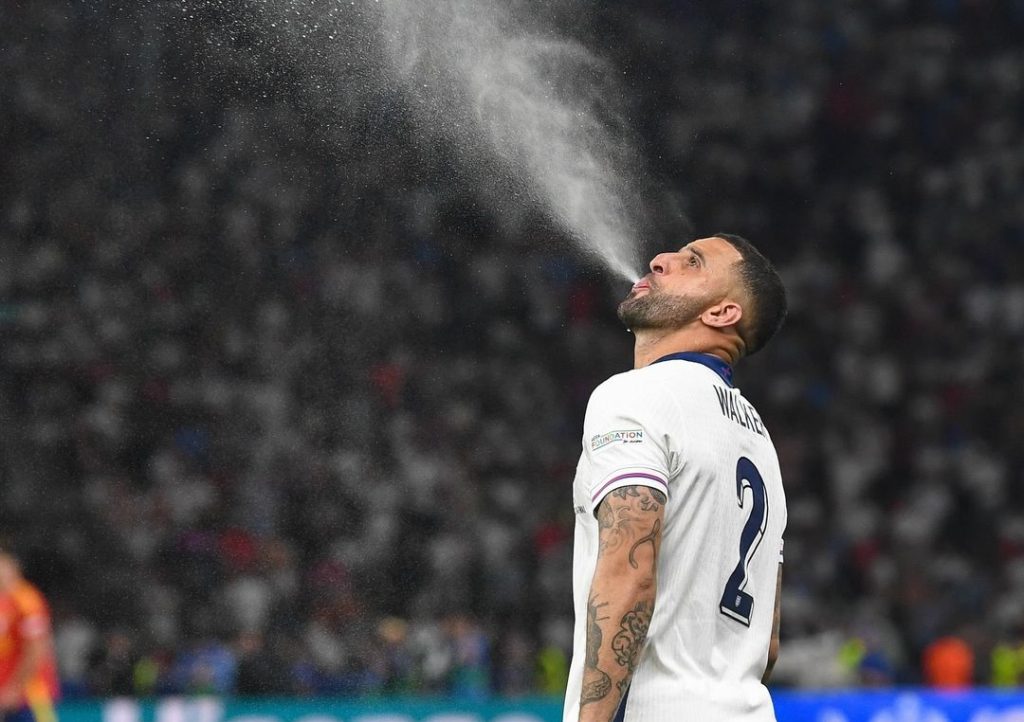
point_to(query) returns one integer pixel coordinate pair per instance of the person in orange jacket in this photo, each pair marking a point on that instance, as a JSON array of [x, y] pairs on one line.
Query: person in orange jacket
[[948, 663], [28, 670]]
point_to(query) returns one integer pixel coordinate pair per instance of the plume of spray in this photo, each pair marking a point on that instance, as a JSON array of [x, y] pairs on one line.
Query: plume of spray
[[512, 97], [533, 117]]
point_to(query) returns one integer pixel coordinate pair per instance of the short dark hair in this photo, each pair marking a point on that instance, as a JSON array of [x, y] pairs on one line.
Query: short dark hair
[[764, 285]]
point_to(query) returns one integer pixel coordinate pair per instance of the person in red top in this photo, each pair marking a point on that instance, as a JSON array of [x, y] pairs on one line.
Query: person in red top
[[28, 671]]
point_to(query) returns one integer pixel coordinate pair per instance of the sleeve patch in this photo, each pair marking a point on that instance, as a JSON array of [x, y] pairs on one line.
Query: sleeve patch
[[624, 436]]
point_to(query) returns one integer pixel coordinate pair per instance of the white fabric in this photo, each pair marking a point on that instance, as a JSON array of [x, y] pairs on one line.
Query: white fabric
[[677, 426]]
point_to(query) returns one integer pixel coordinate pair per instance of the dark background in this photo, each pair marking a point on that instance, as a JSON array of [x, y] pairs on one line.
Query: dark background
[[286, 409]]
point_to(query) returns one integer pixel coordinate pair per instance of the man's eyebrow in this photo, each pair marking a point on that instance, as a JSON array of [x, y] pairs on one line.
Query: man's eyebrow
[[695, 251]]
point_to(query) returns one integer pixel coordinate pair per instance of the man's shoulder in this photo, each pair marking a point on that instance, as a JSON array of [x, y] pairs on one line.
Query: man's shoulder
[[626, 385], [650, 393]]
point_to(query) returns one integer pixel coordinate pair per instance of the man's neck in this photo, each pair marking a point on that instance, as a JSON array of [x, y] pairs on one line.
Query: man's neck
[[653, 344]]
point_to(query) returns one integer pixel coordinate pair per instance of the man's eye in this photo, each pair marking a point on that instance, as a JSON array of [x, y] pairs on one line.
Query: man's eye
[[693, 260]]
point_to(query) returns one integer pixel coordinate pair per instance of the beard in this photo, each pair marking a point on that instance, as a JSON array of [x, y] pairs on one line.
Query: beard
[[656, 310]]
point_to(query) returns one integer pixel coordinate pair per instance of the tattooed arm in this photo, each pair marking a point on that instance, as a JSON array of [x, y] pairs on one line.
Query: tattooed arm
[[621, 596]]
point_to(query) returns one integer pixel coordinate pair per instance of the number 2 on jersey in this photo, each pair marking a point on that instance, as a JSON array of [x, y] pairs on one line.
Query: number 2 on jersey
[[736, 603]]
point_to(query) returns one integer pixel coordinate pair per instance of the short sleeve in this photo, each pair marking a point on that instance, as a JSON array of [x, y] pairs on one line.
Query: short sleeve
[[624, 439]]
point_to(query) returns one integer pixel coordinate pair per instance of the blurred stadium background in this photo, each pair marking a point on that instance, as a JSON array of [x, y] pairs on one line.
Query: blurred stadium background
[[287, 413]]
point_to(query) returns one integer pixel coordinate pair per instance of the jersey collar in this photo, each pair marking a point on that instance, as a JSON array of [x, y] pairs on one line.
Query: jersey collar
[[714, 363]]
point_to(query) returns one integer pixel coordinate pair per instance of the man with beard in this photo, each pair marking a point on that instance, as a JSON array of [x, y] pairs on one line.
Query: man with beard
[[679, 503]]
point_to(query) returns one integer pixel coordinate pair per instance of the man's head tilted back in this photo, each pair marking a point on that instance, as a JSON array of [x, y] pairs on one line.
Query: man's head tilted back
[[716, 295]]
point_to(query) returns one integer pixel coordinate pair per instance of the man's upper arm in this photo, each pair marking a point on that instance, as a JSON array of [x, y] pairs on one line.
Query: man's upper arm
[[629, 523]]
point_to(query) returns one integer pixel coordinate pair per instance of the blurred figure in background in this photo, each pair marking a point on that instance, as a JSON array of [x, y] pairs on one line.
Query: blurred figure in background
[[112, 665], [948, 663], [206, 666], [259, 667], [471, 663], [28, 672], [393, 660]]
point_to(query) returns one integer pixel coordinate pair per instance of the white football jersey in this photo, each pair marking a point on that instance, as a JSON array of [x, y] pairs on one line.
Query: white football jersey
[[679, 426]]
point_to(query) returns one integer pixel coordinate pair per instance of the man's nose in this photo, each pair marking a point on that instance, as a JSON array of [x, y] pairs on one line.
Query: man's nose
[[660, 263]]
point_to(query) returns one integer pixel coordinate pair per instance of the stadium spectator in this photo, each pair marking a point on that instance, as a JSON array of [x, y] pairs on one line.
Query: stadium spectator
[[949, 663], [28, 670], [112, 666]]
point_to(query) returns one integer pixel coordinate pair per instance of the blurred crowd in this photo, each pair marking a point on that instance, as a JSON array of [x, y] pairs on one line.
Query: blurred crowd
[[285, 408]]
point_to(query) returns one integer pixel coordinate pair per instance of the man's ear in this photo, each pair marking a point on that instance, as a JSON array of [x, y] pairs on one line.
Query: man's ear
[[726, 313]]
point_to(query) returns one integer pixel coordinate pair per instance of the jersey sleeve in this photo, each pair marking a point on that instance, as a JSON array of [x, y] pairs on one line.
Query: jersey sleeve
[[625, 439]]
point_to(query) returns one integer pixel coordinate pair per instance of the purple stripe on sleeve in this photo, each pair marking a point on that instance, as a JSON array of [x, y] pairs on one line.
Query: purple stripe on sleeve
[[629, 475]]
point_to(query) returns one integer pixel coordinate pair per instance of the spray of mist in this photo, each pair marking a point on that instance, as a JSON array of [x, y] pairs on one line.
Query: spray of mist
[[534, 117], [491, 78]]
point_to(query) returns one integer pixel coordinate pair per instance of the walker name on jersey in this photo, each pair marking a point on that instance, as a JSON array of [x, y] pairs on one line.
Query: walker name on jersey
[[739, 411], [626, 436]]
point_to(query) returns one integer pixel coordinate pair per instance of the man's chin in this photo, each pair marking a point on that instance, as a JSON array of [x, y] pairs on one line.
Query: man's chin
[[631, 317], [646, 312]]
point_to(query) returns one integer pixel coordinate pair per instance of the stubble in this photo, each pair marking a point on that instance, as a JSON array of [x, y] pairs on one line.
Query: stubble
[[658, 310]]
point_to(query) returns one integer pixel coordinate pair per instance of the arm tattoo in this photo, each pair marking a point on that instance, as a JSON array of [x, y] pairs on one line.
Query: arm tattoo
[[623, 514], [649, 498], [596, 683], [628, 519], [632, 633], [605, 516], [650, 503], [652, 538]]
